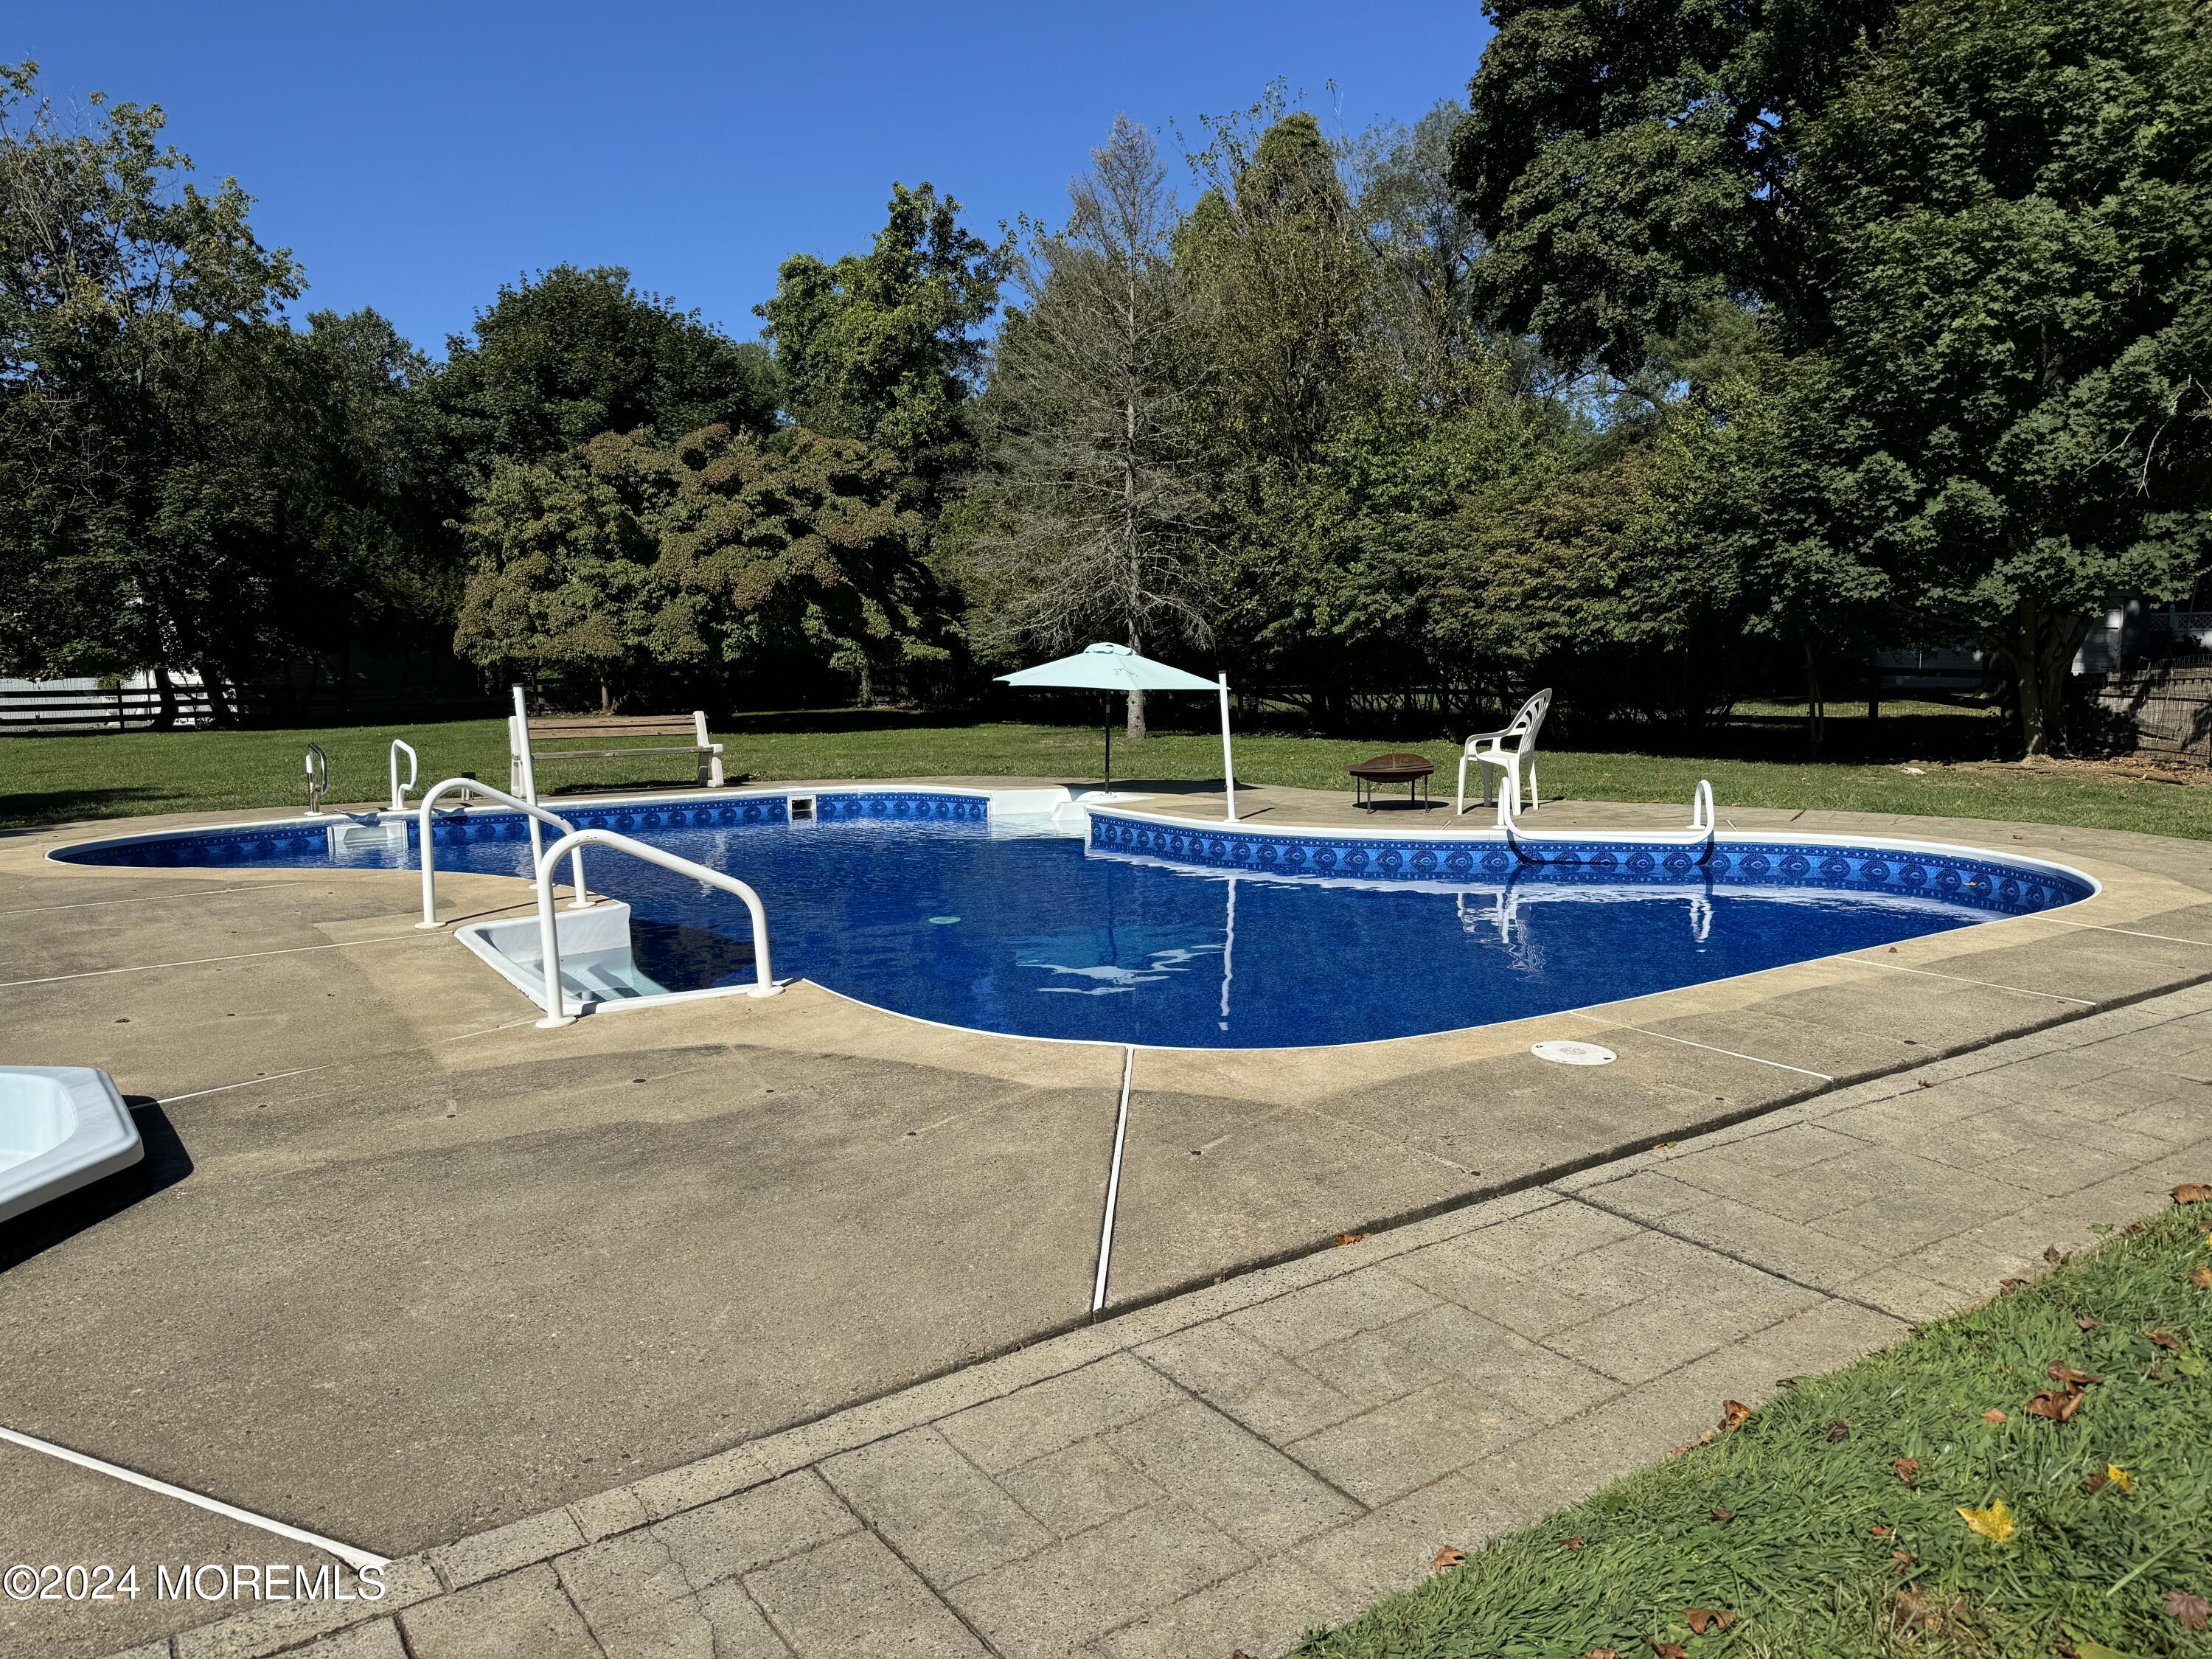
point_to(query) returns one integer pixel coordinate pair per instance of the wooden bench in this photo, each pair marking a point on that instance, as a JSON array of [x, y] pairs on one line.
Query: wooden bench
[[609, 737]]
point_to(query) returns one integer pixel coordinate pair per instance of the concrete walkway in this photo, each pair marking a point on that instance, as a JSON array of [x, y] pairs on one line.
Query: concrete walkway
[[1227, 1467]]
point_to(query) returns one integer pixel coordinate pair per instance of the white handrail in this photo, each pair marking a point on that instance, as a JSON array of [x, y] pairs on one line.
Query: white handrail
[[399, 789], [549, 935], [538, 814], [319, 779], [1704, 821]]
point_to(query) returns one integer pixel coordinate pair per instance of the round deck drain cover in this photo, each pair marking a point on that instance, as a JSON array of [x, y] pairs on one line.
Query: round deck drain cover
[[1573, 1053]]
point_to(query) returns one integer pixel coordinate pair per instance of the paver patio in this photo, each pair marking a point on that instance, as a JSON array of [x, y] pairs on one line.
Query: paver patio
[[705, 1366], [1223, 1469]]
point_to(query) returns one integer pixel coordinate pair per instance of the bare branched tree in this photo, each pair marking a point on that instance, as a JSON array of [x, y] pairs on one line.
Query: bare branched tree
[[1093, 518]]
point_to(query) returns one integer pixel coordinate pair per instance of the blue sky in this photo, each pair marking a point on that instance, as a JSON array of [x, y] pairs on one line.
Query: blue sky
[[415, 156]]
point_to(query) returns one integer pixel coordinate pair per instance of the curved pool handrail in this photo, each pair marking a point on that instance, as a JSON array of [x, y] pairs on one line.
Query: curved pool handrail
[[1704, 824], [399, 789], [319, 779], [549, 934], [537, 815]]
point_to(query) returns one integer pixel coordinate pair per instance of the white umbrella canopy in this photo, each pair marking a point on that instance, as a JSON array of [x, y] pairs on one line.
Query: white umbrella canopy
[[1111, 668]]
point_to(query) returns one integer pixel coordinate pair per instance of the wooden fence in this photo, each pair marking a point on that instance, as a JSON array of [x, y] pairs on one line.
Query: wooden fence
[[85, 709], [2165, 707]]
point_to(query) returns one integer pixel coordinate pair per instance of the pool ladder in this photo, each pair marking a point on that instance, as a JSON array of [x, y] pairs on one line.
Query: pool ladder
[[1702, 825], [537, 815], [556, 1001]]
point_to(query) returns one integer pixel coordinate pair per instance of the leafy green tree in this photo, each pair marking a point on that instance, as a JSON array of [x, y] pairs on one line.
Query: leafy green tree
[[129, 510], [633, 565], [2014, 247], [1631, 164], [563, 580], [1427, 245], [1284, 278], [1975, 230], [553, 363], [885, 346], [804, 547]]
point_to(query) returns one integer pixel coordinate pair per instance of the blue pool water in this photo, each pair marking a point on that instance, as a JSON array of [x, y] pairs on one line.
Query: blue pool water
[[1045, 936]]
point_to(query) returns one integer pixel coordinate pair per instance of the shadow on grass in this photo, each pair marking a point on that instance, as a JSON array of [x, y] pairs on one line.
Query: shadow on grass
[[165, 1164], [22, 811]]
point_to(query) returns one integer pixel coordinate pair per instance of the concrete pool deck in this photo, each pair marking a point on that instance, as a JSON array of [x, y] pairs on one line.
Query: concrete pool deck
[[406, 1272]]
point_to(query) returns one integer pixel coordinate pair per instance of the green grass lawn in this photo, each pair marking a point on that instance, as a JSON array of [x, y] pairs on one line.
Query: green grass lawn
[[1801, 1527], [51, 780]]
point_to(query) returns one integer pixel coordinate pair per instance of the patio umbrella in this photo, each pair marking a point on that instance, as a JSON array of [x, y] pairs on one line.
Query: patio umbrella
[[1111, 668]]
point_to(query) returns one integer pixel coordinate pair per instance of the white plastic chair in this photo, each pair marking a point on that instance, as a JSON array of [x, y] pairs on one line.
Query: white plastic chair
[[1507, 749]]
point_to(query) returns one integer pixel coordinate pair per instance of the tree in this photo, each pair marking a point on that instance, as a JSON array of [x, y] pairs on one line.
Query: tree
[[127, 507], [1096, 506], [1977, 232], [553, 363], [1428, 244], [1286, 279], [634, 564], [1631, 164], [563, 579], [2012, 209], [803, 548], [884, 346]]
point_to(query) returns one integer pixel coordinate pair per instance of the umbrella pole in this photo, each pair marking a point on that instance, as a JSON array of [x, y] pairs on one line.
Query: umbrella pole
[[1109, 743]]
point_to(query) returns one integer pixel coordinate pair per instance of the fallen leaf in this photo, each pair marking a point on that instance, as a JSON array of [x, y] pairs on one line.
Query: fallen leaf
[[2192, 1192], [2059, 1408], [2164, 1339], [1446, 1558], [1993, 1523], [1669, 1650], [1879, 1530], [1701, 1620], [2201, 1278], [2066, 1374], [1903, 1561], [2133, 1229], [1723, 1514], [1908, 1469], [2190, 1612], [1350, 1238], [2094, 1483], [1993, 1415], [1602, 1653], [2119, 1477], [2087, 1323], [1733, 1414], [1839, 1431], [2010, 1284], [1572, 1545]]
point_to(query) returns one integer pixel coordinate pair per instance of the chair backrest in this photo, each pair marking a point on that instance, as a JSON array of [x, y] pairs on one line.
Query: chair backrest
[[1530, 720], [1520, 733]]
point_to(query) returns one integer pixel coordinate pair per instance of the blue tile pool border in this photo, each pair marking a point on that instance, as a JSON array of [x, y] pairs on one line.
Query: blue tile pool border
[[247, 843], [1896, 868]]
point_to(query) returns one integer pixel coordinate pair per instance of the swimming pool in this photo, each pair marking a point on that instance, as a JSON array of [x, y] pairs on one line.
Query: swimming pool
[[1149, 930]]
